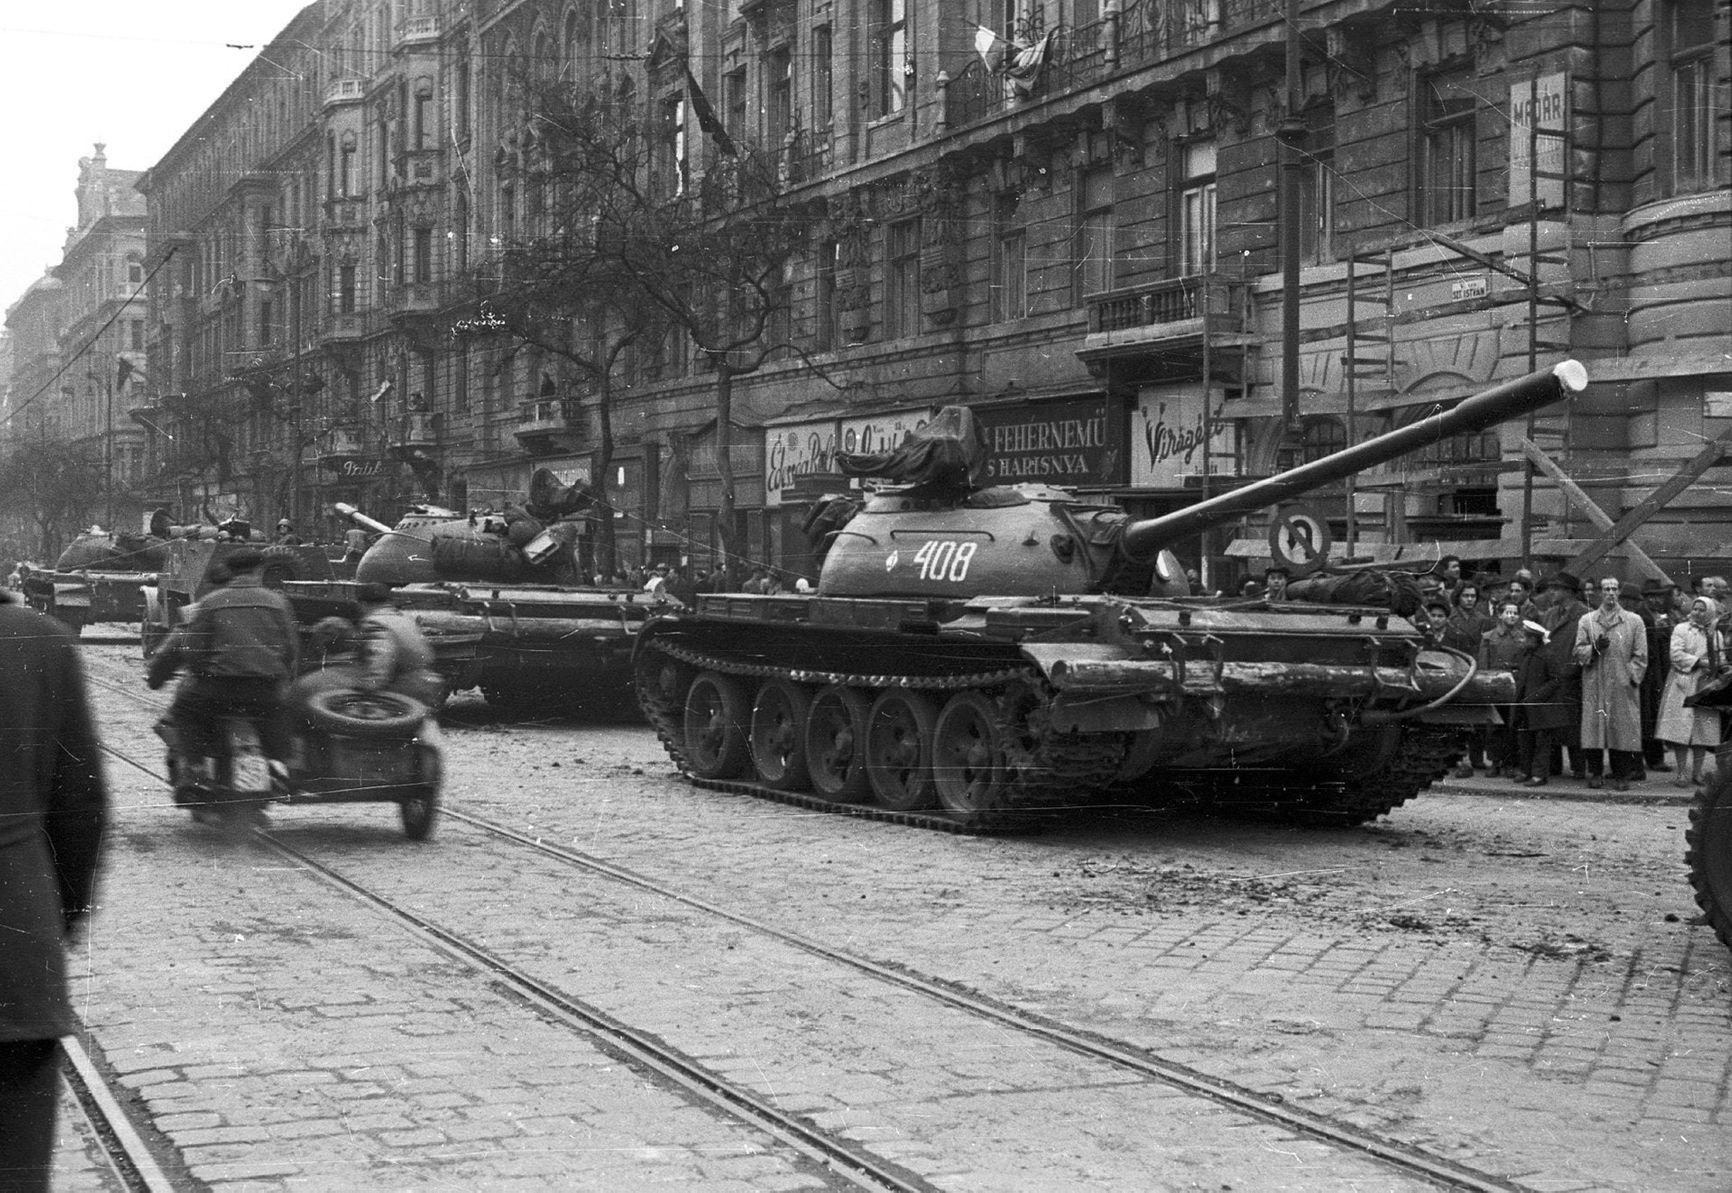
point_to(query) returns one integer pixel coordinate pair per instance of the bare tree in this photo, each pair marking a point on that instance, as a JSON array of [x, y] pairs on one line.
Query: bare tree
[[635, 246], [58, 483]]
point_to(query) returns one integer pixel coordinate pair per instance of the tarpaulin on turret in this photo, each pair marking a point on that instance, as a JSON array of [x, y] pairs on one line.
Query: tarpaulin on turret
[[948, 453]]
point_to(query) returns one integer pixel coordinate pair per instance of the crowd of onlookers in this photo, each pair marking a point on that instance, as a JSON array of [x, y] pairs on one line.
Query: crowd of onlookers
[[1602, 675], [683, 582]]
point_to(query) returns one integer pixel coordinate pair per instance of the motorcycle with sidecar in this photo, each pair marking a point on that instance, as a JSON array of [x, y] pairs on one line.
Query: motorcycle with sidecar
[[348, 745]]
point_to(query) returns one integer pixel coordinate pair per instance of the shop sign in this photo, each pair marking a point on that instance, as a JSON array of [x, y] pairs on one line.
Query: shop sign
[[1168, 433], [353, 470], [1064, 442], [794, 451], [1536, 122], [882, 432]]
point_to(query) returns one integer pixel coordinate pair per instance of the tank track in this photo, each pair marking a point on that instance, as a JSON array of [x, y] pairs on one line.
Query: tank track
[[1424, 756], [1049, 772], [1708, 853]]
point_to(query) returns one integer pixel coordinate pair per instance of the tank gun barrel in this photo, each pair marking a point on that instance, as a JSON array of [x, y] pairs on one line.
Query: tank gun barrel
[[1488, 409], [355, 515]]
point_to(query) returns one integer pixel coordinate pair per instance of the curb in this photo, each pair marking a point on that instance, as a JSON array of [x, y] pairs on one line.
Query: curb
[[1655, 791]]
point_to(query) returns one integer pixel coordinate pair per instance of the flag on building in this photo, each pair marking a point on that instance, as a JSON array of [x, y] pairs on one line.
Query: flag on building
[[707, 115], [991, 47]]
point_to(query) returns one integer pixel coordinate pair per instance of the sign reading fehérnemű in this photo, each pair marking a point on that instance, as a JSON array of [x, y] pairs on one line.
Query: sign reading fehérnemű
[[1065, 441]]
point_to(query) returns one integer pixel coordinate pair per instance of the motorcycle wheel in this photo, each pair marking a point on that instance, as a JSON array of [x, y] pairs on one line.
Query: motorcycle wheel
[[419, 813]]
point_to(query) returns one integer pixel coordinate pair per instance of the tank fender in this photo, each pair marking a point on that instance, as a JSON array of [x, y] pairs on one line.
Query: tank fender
[[1058, 660], [1079, 713]]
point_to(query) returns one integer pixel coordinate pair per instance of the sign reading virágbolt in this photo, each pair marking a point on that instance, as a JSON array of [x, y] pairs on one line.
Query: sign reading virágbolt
[[1066, 441], [1168, 433], [793, 451]]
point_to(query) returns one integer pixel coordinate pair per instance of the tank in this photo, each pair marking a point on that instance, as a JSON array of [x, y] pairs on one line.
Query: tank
[[1708, 836], [987, 656], [98, 576], [547, 641]]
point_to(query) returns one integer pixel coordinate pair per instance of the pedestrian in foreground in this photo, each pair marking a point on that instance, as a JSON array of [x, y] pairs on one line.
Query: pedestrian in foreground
[[1612, 647], [1505, 647], [1697, 655], [53, 806]]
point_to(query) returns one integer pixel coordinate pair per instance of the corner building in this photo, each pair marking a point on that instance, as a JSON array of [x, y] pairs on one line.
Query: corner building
[[1063, 213]]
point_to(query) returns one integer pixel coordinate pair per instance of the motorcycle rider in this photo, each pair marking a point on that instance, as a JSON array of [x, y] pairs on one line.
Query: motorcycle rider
[[240, 648]]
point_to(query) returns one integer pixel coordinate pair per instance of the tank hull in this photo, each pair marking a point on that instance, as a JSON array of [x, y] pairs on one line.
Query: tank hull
[[998, 711]]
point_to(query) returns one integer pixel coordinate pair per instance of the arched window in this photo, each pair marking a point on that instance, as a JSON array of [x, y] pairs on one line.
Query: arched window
[[1319, 435]]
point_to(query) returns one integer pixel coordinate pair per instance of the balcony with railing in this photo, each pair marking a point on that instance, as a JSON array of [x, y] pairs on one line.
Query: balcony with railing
[[414, 430], [417, 29], [549, 423], [345, 91], [1045, 63], [1171, 315]]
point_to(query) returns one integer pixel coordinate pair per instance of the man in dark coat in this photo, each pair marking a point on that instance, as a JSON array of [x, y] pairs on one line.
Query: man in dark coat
[[52, 809], [1561, 610], [1543, 715], [1659, 621]]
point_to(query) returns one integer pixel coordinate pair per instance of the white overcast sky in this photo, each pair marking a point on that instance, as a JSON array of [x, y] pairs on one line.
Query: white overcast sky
[[133, 74]]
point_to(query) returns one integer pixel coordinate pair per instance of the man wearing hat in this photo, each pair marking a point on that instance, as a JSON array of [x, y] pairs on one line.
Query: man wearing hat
[[286, 533], [1542, 716], [1657, 616], [1561, 610]]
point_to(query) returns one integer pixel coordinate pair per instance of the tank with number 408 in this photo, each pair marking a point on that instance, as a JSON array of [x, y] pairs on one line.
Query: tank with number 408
[[986, 656]]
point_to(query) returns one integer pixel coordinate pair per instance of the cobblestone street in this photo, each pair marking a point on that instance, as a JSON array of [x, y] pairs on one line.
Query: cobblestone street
[[1505, 983]]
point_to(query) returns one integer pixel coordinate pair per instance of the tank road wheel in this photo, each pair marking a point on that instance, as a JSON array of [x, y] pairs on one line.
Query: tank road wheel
[[779, 734], [836, 745], [715, 728], [1709, 855], [899, 749], [968, 756]]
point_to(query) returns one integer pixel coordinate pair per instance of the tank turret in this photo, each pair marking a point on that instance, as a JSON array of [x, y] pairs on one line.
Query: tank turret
[[939, 535], [522, 544]]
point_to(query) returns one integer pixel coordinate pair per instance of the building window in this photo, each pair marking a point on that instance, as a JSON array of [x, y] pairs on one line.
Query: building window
[[135, 335], [423, 254], [1446, 157], [827, 312], [460, 379], [1317, 191], [670, 156], [902, 279], [1094, 242], [889, 56], [1689, 30], [779, 82], [134, 271], [460, 100], [1197, 209], [1009, 262], [507, 215], [423, 120], [267, 320], [345, 289], [822, 77], [461, 231], [734, 104], [346, 168], [1321, 435]]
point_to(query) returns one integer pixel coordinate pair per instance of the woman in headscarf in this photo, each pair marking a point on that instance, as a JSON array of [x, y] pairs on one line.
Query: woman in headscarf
[[1698, 655]]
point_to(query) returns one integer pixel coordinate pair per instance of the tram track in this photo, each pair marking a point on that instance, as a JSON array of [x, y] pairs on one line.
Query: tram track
[[839, 1155]]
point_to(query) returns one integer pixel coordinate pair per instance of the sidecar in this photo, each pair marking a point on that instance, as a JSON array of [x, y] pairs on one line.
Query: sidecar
[[356, 746]]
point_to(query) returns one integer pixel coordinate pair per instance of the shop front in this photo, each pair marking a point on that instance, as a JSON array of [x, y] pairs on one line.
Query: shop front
[[1068, 442]]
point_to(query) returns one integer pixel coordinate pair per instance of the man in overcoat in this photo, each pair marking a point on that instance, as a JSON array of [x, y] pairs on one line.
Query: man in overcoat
[[52, 809], [1612, 648], [1561, 609]]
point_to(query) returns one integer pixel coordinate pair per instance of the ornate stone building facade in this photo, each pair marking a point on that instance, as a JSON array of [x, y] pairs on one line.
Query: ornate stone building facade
[[1060, 212]]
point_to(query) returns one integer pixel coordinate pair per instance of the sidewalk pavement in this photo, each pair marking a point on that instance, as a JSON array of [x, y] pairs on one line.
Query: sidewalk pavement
[[1656, 789]]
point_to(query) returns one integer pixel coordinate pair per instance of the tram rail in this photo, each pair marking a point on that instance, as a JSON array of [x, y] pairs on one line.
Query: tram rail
[[841, 1156]]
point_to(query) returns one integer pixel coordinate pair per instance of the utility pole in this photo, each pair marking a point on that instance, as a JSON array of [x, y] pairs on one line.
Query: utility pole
[[1292, 138]]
